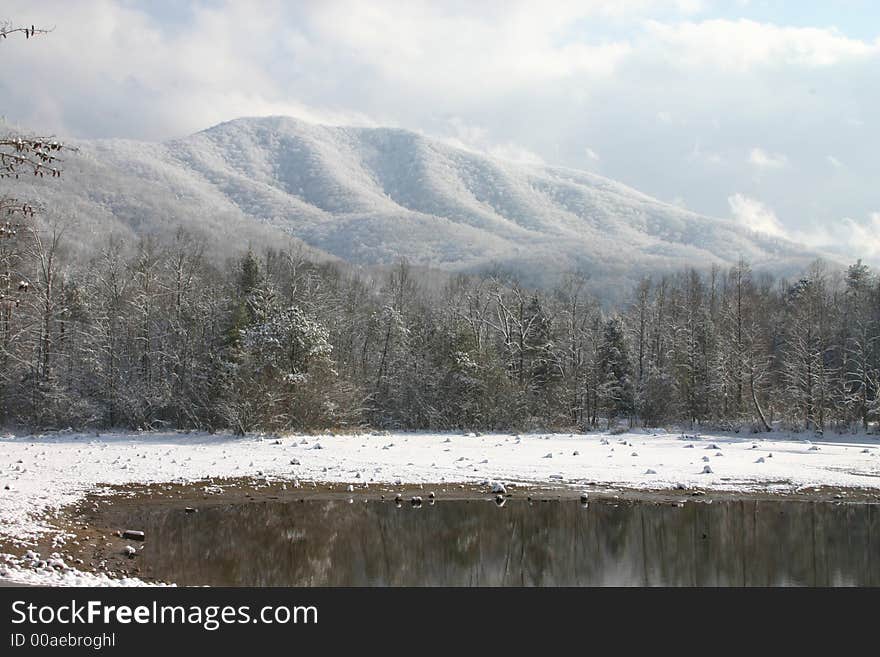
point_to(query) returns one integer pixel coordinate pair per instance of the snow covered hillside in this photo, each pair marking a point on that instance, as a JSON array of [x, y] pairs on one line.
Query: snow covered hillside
[[373, 195]]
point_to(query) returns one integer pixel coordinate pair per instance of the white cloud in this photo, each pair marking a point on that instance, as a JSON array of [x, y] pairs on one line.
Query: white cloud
[[740, 45], [515, 153], [851, 237], [136, 79], [457, 132], [848, 237], [756, 216], [864, 237], [763, 160], [489, 50], [690, 6], [698, 154]]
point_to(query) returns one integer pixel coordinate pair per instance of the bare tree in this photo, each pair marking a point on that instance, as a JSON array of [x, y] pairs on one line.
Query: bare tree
[[20, 155]]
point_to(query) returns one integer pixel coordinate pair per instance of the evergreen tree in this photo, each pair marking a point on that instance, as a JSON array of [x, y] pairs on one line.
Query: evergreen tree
[[615, 366]]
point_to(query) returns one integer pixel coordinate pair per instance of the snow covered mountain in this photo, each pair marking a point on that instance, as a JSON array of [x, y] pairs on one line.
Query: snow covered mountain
[[374, 195]]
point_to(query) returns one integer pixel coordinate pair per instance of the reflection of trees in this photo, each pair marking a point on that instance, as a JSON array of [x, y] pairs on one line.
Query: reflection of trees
[[546, 543]]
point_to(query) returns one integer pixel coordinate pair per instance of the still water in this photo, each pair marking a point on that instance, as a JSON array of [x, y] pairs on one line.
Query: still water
[[540, 543]]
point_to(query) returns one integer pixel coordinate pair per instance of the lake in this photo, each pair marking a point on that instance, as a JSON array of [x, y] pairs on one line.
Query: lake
[[475, 542]]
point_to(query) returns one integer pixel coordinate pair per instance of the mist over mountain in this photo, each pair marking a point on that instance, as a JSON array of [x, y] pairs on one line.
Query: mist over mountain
[[371, 196]]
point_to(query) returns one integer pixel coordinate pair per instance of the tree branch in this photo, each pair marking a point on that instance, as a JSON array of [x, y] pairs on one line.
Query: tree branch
[[7, 28]]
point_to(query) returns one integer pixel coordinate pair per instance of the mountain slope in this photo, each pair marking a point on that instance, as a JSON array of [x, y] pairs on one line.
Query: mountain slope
[[374, 195]]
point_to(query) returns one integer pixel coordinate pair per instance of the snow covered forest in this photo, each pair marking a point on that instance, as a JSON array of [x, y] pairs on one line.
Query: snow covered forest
[[159, 335]]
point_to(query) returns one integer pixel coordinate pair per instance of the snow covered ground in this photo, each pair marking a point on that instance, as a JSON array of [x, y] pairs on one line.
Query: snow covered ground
[[40, 474]]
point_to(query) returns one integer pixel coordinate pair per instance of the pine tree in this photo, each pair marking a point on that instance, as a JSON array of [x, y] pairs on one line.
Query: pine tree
[[615, 366]]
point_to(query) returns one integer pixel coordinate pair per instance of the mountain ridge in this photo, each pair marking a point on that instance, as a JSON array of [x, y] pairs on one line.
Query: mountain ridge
[[371, 196]]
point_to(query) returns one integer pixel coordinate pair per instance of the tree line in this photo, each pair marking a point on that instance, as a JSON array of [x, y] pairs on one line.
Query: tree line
[[159, 335]]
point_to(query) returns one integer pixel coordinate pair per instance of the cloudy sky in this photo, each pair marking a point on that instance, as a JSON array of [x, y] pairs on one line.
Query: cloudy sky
[[760, 110]]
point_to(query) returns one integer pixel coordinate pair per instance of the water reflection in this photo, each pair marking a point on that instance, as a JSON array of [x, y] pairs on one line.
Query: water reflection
[[549, 543]]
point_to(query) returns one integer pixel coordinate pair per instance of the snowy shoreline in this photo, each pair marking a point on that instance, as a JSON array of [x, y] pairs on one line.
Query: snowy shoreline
[[42, 474]]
